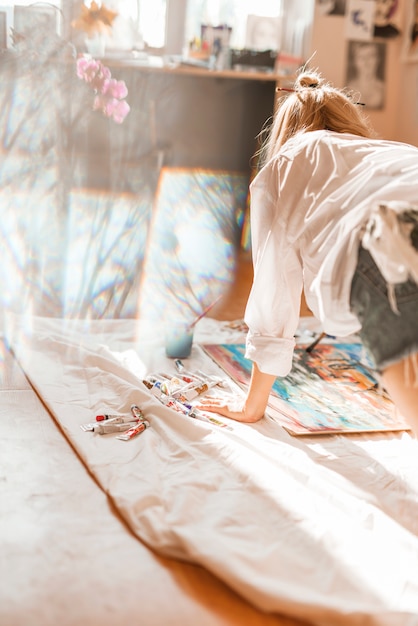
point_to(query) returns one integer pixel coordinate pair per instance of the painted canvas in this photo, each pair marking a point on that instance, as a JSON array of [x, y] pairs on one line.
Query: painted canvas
[[329, 390]]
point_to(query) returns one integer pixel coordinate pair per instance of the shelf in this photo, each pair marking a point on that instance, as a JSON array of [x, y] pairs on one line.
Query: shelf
[[185, 68]]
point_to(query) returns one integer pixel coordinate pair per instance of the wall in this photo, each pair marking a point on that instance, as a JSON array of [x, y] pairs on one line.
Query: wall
[[195, 121], [399, 118], [407, 113]]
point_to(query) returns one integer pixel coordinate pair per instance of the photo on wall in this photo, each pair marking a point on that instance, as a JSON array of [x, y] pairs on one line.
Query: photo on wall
[[411, 33], [263, 33], [386, 19], [359, 19], [366, 70], [331, 7]]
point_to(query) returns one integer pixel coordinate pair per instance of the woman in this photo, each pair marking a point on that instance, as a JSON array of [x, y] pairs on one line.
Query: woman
[[326, 190]]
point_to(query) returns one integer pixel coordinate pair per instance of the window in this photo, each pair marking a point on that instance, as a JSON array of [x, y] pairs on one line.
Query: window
[[169, 25], [233, 13], [151, 16]]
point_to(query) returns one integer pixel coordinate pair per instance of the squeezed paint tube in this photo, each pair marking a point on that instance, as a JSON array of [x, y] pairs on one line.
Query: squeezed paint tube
[[136, 412], [186, 378], [134, 431], [101, 418], [173, 404], [198, 375], [197, 390], [210, 419], [158, 390], [188, 409], [117, 419], [181, 369], [88, 427], [168, 384], [196, 414], [104, 429], [213, 378]]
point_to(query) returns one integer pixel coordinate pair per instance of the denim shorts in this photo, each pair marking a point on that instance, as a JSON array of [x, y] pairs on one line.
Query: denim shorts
[[388, 337]]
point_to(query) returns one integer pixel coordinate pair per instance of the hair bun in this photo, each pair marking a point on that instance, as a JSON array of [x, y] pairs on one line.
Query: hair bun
[[308, 80]]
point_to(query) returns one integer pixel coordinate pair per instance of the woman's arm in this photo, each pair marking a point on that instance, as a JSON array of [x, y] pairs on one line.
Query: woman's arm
[[249, 410]]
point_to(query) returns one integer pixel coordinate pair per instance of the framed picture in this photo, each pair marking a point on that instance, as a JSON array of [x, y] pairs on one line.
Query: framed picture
[[366, 72], [331, 7], [263, 33], [411, 32], [215, 38], [386, 19], [37, 17]]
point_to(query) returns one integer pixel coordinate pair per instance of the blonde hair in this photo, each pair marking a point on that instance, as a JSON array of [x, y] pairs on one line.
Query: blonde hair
[[313, 104]]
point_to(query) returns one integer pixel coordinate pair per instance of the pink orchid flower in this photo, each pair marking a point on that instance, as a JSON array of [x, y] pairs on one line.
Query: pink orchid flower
[[109, 92], [114, 88], [111, 107]]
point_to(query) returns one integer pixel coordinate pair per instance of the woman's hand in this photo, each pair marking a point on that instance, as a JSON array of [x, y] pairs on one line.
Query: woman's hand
[[234, 408], [250, 409]]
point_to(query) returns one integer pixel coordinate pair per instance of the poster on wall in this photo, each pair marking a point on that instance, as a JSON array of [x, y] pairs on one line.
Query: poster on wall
[[331, 7], [411, 34], [359, 19], [366, 19], [263, 33], [366, 69], [385, 19]]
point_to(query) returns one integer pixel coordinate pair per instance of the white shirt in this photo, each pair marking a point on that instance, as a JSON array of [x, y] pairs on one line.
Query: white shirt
[[308, 206]]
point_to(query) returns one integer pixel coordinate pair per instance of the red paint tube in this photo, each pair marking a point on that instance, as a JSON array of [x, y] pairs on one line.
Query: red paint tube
[[133, 432]]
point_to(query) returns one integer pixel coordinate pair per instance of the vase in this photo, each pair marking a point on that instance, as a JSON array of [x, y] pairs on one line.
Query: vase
[[96, 44]]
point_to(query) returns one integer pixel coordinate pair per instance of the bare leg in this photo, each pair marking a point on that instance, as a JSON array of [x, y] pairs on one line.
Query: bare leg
[[401, 382]]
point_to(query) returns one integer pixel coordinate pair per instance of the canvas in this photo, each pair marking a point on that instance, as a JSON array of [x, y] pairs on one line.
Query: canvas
[[329, 390], [191, 243]]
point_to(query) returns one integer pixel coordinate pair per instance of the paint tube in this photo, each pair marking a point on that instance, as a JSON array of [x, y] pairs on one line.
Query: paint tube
[[136, 412], [134, 431], [101, 418], [181, 369], [106, 428], [157, 390], [173, 404], [197, 390], [117, 419], [196, 414]]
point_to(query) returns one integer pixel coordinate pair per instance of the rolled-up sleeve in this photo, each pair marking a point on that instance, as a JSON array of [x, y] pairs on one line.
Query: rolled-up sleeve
[[273, 308]]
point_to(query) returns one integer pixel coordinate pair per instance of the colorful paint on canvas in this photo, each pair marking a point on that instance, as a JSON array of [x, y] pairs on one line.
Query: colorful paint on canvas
[[331, 389]]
